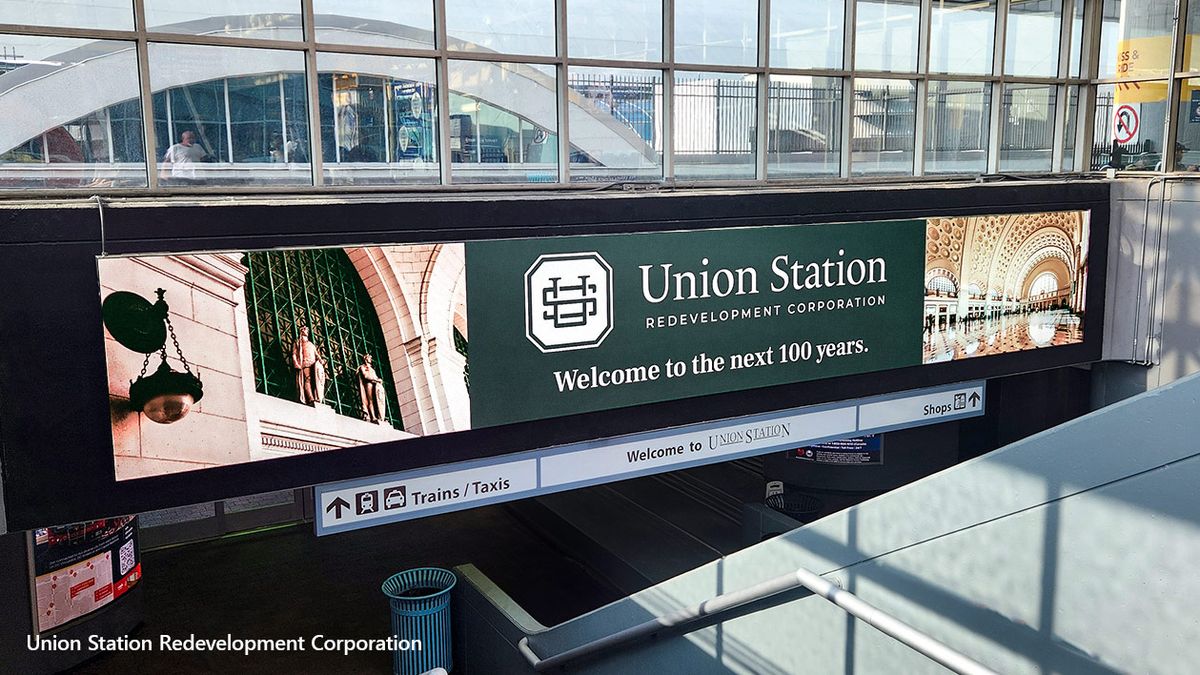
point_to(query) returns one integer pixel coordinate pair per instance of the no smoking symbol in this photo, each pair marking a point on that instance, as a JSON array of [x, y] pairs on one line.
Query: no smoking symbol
[[1125, 124]]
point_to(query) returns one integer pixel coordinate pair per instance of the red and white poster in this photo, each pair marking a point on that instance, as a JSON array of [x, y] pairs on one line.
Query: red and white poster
[[80, 568]]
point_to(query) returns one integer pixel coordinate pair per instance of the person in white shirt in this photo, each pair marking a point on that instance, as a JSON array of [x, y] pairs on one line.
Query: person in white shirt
[[182, 157]]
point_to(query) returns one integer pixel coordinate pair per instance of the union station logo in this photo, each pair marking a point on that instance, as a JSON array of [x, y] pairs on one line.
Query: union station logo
[[568, 301]]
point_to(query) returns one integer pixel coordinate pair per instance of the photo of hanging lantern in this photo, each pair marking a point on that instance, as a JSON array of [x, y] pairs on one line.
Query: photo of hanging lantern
[[166, 395]]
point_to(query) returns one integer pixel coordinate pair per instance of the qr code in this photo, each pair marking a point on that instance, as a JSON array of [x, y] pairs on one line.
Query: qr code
[[128, 557]]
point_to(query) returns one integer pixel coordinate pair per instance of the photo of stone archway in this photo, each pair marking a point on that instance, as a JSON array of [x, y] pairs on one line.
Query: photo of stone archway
[[1007, 283], [298, 351]]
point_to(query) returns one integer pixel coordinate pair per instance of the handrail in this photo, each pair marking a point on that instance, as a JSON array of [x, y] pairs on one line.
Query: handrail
[[800, 578]]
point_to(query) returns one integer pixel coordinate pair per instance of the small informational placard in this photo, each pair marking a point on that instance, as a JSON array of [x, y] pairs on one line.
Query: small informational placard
[[82, 567], [846, 431], [856, 451]]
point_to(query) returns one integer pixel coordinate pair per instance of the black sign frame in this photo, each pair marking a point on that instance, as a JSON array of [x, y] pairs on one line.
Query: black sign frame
[[56, 448]]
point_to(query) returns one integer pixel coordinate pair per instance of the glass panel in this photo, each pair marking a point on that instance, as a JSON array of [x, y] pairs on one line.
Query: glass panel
[[804, 136], [1070, 128], [1187, 130], [510, 27], [884, 128], [1135, 38], [806, 33], [503, 122], [376, 23], [960, 36], [714, 125], [378, 119], [1128, 127], [262, 19], [1191, 43], [615, 124], [229, 116], [1034, 30], [1027, 127], [716, 32], [886, 35], [1077, 39], [104, 14], [956, 133], [629, 30], [72, 113]]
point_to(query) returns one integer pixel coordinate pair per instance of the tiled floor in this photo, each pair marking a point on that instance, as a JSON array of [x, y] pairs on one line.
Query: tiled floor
[[1006, 334]]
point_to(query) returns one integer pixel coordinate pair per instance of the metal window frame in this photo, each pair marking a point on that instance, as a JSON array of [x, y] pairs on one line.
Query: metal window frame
[[441, 52]]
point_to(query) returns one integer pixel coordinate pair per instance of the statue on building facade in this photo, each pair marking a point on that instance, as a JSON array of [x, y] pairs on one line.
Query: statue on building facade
[[371, 393], [310, 369]]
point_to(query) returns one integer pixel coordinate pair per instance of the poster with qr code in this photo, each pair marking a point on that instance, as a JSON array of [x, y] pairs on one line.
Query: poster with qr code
[[82, 567]]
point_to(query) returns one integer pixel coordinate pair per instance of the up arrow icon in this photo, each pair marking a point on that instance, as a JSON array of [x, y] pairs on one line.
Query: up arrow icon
[[974, 398], [337, 505]]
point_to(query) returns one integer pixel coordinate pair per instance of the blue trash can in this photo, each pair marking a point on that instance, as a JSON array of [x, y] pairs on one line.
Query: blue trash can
[[420, 600]]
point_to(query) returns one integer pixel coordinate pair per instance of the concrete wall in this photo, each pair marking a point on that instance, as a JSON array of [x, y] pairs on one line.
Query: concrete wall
[[1070, 551]]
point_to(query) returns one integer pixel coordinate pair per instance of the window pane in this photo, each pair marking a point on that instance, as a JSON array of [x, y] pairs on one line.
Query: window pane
[[1077, 39], [1135, 38], [956, 132], [1187, 141], [264, 19], [806, 33], [229, 116], [1070, 128], [1034, 29], [1027, 127], [884, 130], [503, 122], [616, 124], [1191, 48], [376, 23], [378, 119], [600, 29], [804, 136], [510, 27], [716, 32], [714, 125], [105, 14], [960, 36], [886, 35], [71, 112], [1128, 127]]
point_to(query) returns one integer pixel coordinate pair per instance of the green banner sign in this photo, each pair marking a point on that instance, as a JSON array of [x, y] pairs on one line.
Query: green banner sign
[[578, 324]]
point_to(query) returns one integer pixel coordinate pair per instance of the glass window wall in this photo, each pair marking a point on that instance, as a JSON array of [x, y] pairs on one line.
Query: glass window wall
[[715, 117], [260, 19], [807, 33], [1034, 31], [378, 119], [883, 131], [630, 30], [615, 124], [957, 124], [804, 132], [503, 122], [229, 115], [1027, 127], [509, 27], [236, 79], [961, 34], [886, 35], [402, 24], [71, 112]]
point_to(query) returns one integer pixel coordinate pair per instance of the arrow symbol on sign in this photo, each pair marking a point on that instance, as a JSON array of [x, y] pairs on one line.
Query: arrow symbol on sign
[[337, 505], [974, 398]]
